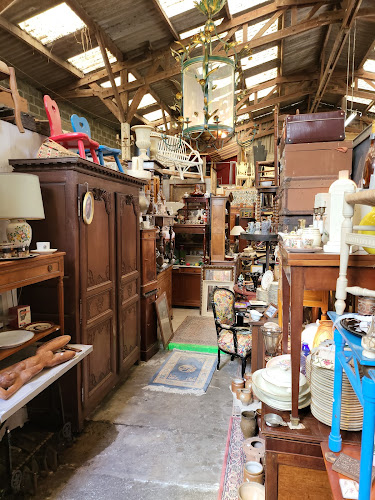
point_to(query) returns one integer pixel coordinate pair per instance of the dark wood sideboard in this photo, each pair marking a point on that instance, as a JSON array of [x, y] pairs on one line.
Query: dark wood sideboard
[[102, 270]]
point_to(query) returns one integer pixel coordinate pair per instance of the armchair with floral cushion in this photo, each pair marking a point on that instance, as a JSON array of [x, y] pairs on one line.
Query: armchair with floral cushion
[[231, 339]]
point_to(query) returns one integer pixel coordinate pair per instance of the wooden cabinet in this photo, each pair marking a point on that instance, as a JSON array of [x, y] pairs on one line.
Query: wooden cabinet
[[102, 271], [186, 286], [149, 284], [220, 217]]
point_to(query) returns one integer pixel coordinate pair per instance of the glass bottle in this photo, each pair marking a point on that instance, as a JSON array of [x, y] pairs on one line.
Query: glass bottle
[[369, 168]]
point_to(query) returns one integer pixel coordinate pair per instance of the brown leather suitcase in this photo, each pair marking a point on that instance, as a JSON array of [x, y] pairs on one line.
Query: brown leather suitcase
[[315, 127]]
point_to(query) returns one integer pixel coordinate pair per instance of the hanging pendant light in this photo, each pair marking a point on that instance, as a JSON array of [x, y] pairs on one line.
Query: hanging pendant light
[[207, 100]]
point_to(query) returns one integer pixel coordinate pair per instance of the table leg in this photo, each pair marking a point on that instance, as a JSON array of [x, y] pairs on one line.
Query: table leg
[[285, 290], [296, 319], [367, 448], [60, 296], [267, 255], [334, 440]]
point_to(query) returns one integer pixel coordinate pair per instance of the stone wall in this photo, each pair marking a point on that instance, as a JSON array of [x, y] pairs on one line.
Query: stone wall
[[99, 131]]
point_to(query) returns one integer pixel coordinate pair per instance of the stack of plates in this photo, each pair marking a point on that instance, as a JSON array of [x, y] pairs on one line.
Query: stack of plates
[[262, 295], [322, 400], [272, 385], [273, 292]]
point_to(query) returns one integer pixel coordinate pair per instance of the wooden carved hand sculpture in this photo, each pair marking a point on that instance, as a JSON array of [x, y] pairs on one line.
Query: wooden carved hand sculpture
[[15, 376]]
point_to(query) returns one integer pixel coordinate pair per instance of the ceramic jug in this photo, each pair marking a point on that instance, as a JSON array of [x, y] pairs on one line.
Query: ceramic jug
[[248, 424]]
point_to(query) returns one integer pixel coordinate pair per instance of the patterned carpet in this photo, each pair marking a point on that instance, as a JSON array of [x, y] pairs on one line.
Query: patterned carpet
[[232, 473], [196, 330]]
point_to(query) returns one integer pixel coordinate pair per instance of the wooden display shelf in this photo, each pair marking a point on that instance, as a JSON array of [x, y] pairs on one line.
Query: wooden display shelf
[[351, 450], [5, 353]]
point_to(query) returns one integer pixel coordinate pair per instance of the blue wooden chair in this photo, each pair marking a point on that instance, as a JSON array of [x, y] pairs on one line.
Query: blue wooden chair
[[80, 124]]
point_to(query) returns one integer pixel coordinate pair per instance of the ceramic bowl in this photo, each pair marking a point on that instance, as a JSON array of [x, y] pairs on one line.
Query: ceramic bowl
[[266, 183], [251, 491]]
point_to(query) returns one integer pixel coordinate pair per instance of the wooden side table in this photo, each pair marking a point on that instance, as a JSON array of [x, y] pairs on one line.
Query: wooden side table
[[24, 272], [313, 271]]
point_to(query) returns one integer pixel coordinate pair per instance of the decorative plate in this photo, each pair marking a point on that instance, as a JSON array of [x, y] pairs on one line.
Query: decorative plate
[[353, 326], [44, 252], [39, 326], [14, 338], [267, 279], [305, 250]]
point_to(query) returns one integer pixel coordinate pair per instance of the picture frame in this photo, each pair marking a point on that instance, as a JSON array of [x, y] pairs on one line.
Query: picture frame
[[271, 311], [88, 207], [164, 319], [177, 191], [218, 273], [208, 287]]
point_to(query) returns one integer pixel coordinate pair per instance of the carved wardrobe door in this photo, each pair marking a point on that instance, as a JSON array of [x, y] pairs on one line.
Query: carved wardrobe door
[[97, 299], [128, 307]]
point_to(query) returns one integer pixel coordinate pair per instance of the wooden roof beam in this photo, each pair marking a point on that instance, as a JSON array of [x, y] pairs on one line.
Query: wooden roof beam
[[340, 40], [5, 4], [39, 47], [111, 77], [165, 19], [275, 100], [108, 42]]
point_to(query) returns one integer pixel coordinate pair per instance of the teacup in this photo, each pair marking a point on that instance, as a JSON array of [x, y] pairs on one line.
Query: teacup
[[43, 245]]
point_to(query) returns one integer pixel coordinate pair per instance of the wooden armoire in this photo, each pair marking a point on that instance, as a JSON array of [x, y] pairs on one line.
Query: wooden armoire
[[102, 271]]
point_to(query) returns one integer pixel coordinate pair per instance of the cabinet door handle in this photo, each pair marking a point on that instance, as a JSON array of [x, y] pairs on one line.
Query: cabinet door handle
[[49, 268]]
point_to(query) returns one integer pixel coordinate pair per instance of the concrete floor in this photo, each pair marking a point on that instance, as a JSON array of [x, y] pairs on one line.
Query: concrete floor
[[142, 444]]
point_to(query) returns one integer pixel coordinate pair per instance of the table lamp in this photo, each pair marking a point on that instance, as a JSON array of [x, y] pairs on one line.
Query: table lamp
[[20, 199], [236, 231]]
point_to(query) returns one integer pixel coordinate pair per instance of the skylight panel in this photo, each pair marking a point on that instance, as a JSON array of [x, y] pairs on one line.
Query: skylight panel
[[264, 92], [251, 81], [259, 58], [372, 109], [239, 5], [52, 24], [154, 115], [360, 100], [194, 31], [146, 100], [253, 30], [107, 84], [90, 60], [369, 65], [175, 7], [362, 84]]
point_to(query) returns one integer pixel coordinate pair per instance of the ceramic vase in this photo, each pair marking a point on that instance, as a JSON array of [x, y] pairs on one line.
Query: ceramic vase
[[248, 424], [19, 232], [246, 396], [237, 383], [143, 139], [154, 143], [143, 202], [366, 306], [253, 472], [254, 449], [324, 332]]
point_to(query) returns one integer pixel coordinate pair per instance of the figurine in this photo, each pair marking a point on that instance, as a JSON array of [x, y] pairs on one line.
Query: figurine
[[15, 376]]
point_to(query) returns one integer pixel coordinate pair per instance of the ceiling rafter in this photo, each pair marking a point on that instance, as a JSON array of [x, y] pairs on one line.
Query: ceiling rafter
[[90, 23], [5, 4], [166, 19], [340, 40], [39, 47]]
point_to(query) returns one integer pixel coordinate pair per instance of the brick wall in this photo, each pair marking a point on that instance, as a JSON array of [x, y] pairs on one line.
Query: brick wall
[[99, 131]]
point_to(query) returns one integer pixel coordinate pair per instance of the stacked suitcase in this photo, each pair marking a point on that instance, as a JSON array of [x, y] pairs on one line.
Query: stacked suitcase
[[312, 152]]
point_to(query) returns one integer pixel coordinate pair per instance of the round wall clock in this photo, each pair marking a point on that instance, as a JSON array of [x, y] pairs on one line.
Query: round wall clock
[[88, 207]]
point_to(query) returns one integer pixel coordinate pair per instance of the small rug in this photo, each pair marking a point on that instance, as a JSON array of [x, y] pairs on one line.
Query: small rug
[[232, 472], [196, 333], [184, 373]]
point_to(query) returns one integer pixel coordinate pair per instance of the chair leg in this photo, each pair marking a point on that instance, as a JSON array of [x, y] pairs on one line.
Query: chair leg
[[243, 366], [118, 163], [94, 157], [218, 359], [81, 150]]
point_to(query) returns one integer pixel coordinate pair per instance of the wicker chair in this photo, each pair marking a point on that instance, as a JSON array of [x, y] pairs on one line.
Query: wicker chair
[[231, 339]]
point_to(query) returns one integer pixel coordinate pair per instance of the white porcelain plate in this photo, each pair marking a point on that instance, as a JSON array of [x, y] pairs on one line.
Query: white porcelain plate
[[44, 252], [267, 279], [14, 338], [305, 250]]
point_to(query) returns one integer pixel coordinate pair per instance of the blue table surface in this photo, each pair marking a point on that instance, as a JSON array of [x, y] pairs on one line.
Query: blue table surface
[[354, 342]]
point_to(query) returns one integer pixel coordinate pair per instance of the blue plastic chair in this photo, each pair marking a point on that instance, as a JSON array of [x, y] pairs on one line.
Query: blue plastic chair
[[80, 124]]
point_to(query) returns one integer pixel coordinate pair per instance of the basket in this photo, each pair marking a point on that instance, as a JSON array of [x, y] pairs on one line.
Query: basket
[[51, 149]]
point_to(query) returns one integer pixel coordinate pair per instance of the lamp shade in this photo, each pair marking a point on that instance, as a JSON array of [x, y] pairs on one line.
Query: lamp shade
[[20, 197], [237, 230]]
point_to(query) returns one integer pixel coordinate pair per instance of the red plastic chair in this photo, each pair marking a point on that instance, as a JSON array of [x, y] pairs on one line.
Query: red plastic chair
[[71, 140]]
